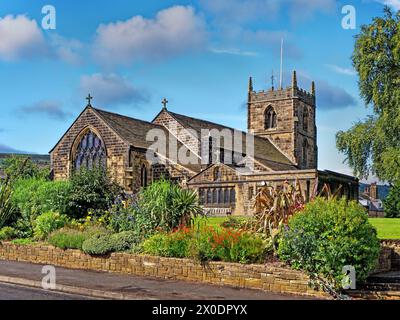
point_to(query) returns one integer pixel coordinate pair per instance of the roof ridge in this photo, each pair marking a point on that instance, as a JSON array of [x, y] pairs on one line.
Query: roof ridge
[[210, 122], [126, 117]]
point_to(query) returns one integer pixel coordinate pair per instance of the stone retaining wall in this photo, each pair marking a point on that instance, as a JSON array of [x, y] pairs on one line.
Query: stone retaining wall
[[394, 246], [271, 277]]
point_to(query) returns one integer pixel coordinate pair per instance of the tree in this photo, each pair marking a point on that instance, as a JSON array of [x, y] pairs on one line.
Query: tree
[[373, 145], [392, 202]]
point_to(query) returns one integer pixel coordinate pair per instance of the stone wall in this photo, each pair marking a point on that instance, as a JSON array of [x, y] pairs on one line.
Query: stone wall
[[270, 277], [394, 246], [188, 138]]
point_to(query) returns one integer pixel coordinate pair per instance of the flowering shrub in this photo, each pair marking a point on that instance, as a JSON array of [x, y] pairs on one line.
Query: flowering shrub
[[207, 243]]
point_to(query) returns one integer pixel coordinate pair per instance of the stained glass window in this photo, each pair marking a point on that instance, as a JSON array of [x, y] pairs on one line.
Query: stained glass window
[[90, 152]]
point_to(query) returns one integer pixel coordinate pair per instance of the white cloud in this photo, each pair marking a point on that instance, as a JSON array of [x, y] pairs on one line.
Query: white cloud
[[395, 4], [68, 50], [111, 90], [341, 70], [20, 37], [171, 32]]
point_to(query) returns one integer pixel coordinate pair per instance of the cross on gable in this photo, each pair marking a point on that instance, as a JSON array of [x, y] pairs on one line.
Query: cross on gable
[[164, 103], [89, 98]]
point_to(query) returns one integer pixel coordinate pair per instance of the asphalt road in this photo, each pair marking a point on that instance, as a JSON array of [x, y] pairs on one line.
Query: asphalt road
[[14, 292]]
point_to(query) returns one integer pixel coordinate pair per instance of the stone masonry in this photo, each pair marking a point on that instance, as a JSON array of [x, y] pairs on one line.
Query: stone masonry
[[271, 277]]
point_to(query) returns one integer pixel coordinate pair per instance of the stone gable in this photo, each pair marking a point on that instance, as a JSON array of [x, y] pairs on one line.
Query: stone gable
[[116, 149]]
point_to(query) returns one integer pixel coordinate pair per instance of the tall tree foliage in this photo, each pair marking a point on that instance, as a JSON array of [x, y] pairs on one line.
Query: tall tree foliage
[[373, 145]]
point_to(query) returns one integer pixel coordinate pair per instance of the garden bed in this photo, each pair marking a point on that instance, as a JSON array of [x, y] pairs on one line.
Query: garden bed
[[274, 277]]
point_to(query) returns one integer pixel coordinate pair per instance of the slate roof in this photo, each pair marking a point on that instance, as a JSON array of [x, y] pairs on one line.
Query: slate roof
[[264, 149], [276, 166], [131, 130], [134, 132]]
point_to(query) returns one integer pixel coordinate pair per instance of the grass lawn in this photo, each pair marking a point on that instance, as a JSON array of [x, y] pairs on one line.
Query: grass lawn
[[212, 221], [388, 228]]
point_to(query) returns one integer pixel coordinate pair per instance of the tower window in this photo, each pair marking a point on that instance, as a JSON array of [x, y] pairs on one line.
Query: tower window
[[270, 118], [304, 152], [305, 120]]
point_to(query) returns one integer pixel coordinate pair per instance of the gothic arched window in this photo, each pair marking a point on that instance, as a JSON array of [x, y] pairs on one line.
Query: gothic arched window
[[270, 118], [304, 152], [90, 153], [305, 120], [143, 176]]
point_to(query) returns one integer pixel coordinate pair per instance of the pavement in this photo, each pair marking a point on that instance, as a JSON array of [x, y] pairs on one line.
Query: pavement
[[16, 292], [104, 285]]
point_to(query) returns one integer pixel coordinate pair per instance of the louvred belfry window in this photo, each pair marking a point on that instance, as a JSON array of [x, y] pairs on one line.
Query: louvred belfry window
[[270, 118], [90, 152]]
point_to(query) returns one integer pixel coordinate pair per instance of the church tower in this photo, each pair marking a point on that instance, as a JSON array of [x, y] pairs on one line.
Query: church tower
[[287, 118]]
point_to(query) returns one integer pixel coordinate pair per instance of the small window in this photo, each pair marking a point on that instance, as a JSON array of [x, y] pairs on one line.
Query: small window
[[143, 176], [209, 196], [217, 174], [305, 119], [210, 150], [232, 196], [305, 152], [270, 118]]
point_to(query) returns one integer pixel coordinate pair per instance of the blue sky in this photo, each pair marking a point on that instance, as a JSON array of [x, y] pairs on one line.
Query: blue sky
[[199, 54]]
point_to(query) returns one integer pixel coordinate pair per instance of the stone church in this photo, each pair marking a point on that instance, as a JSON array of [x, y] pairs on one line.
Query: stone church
[[282, 130]]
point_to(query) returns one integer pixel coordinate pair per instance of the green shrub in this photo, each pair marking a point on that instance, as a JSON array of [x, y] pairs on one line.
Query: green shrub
[[100, 243], [7, 233], [91, 190], [66, 238], [6, 207], [156, 245], [47, 223], [20, 167], [234, 223], [24, 241], [122, 219], [328, 235], [34, 197], [161, 205], [124, 240]]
